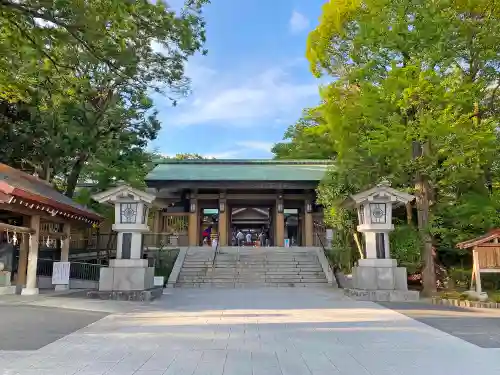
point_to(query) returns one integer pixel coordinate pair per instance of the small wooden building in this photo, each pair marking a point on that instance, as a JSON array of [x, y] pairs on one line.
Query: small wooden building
[[32, 213], [485, 255]]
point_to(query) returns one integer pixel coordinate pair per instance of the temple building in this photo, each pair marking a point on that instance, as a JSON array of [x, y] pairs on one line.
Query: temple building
[[35, 220], [222, 197]]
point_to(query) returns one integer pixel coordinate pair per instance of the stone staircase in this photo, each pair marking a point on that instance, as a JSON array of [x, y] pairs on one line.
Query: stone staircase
[[248, 266]]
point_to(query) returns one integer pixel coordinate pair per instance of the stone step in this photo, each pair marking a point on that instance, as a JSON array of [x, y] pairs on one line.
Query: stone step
[[246, 285]]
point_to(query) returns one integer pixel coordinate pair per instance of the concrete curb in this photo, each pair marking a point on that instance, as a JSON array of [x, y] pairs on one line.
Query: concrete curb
[[326, 267], [176, 270], [465, 303]]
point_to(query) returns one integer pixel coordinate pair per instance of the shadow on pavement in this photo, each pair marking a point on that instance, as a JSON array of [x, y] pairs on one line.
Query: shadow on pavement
[[480, 327]]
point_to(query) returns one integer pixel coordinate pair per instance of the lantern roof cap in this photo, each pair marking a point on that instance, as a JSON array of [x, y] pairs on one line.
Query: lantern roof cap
[[121, 192], [381, 191]]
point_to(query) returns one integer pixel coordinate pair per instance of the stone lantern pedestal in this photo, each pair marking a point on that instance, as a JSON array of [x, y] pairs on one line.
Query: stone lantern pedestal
[[378, 277], [129, 276]]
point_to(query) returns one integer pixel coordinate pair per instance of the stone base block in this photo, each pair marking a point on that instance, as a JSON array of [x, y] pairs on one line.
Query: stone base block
[[379, 274], [133, 295], [61, 287], [11, 289], [127, 263], [380, 263], [29, 291], [126, 279], [482, 297], [383, 295]]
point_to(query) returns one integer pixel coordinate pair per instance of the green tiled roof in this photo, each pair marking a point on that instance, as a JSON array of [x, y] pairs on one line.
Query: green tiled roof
[[239, 170]]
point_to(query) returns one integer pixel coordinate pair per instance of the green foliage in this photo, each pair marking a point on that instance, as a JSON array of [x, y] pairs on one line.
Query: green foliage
[[469, 216], [142, 41], [75, 80], [164, 262], [415, 98], [405, 247], [307, 139]]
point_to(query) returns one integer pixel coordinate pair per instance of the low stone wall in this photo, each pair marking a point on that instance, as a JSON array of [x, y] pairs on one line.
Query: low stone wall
[[133, 295], [382, 295], [465, 303], [45, 282]]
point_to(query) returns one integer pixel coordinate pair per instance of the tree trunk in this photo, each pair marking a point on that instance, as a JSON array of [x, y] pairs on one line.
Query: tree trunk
[[424, 194], [409, 213], [428, 272], [75, 175]]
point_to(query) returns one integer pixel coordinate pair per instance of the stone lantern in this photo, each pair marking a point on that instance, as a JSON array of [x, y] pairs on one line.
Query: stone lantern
[[128, 272], [377, 277]]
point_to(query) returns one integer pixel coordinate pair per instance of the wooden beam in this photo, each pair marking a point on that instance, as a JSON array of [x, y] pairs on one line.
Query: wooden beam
[[175, 213], [17, 209], [58, 235], [26, 211], [475, 266], [284, 185], [15, 228]]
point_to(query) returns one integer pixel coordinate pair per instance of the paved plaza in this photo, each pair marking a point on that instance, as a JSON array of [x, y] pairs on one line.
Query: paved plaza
[[267, 331]]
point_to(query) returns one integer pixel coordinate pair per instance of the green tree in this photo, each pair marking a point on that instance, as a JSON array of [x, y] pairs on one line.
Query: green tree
[[309, 138], [141, 41], [415, 101], [79, 105]]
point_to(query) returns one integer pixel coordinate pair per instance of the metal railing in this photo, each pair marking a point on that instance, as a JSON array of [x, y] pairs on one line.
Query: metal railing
[[77, 270], [216, 249], [94, 242], [165, 239]]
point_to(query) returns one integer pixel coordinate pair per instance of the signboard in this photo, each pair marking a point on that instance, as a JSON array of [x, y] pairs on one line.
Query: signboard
[[329, 234], [158, 280], [287, 242], [60, 273]]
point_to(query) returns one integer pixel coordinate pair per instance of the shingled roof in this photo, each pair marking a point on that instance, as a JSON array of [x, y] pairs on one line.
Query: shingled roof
[[17, 186], [239, 170]]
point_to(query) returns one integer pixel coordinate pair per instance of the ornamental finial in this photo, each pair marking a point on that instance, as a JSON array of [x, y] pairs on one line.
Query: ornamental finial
[[384, 183]]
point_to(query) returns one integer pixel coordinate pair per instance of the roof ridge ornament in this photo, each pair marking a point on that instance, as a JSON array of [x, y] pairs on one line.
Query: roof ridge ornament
[[384, 183]]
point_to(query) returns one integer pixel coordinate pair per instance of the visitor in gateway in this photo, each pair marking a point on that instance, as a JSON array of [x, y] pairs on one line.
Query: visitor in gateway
[[249, 239], [240, 237]]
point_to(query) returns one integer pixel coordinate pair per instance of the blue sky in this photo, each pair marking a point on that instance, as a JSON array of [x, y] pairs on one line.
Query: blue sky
[[251, 86]]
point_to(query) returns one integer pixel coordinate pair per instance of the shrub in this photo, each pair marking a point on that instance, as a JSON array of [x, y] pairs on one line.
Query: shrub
[[406, 246], [461, 277]]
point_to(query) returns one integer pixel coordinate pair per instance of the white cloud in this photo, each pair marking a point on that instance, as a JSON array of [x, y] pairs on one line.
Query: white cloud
[[298, 22], [256, 145], [230, 99]]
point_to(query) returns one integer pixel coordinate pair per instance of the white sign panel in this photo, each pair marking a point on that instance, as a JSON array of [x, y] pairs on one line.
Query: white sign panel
[[158, 280], [329, 234], [60, 273]]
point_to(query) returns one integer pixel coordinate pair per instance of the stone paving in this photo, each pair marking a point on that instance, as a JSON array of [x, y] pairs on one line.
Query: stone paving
[[477, 326], [32, 327], [267, 331]]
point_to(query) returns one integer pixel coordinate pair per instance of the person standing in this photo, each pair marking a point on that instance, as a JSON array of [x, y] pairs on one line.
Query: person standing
[[249, 239], [262, 239], [240, 237]]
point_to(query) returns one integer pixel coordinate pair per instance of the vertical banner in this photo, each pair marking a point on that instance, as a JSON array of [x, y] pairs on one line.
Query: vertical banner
[[60, 273]]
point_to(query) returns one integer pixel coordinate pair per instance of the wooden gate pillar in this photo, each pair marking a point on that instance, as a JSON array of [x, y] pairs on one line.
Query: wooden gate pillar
[[222, 220], [194, 222], [279, 222], [308, 224]]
